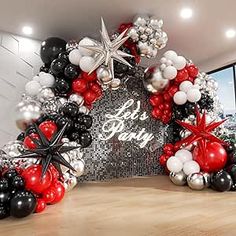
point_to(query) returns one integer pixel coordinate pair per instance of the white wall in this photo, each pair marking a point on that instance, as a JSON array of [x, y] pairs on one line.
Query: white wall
[[218, 61], [19, 61]]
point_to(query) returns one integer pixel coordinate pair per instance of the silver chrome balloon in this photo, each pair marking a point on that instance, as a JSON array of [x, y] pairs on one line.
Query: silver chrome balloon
[[104, 75], [45, 94], [77, 99], [196, 181], [178, 178], [27, 112]]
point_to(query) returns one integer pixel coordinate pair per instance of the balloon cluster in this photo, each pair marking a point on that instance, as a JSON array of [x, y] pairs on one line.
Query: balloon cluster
[[148, 34], [15, 199]]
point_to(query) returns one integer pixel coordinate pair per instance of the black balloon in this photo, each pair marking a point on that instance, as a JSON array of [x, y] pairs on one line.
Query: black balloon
[[4, 212], [221, 181], [85, 139], [233, 187], [61, 121], [61, 86], [69, 109], [30, 130], [4, 186], [10, 174], [58, 65], [80, 128], [64, 55], [79, 118], [18, 183], [44, 69], [74, 136], [51, 48], [22, 204], [71, 71], [87, 121], [4, 197], [21, 136]]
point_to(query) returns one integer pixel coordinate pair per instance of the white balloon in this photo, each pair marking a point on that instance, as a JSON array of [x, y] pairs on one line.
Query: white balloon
[[32, 88], [169, 63], [185, 86], [36, 78], [180, 98], [75, 56], [179, 62], [193, 95], [163, 60], [184, 155], [86, 42], [171, 55], [174, 164], [47, 80], [170, 72], [191, 167], [162, 67], [86, 63]]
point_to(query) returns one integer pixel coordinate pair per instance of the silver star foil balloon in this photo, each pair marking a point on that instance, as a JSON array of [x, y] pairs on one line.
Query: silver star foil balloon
[[107, 51]]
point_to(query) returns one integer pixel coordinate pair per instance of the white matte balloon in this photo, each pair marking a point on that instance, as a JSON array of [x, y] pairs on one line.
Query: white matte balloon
[[32, 88], [174, 164], [86, 42], [185, 86], [184, 155], [180, 98], [171, 55], [36, 78], [191, 167], [193, 95], [47, 80], [179, 62], [86, 63], [170, 72], [75, 56]]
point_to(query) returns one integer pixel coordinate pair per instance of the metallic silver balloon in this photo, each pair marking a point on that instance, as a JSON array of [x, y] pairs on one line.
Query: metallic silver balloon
[[115, 84], [77, 99], [45, 94], [104, 75], [50, 106], [27, 112], [84, 109], [78, 165], [196, 181], [178, 178]]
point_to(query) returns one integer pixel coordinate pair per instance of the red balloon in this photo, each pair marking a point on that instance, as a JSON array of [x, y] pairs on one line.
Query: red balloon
[[167, 106], [124, 26], [167, 97], [33, 180], [49, 128], [49, 195], [40, 205], [182, 75], [79, 85], [172, 90], [28, 142], [165, 119], [54, 172], [168, 147], [89, 77], [90, 96], [59, 192], [156, 100], [214, 159], [156, 113], [163, 159], [95, 87], [192, 71]]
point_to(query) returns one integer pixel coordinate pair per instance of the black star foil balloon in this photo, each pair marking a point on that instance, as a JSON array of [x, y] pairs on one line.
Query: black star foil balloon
[[49, 151]]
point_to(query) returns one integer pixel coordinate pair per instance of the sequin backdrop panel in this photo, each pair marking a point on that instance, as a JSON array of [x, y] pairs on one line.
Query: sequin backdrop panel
[[113, 158]]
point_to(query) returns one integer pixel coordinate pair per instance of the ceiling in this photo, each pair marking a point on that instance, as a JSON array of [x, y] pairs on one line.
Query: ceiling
[[200, 38]]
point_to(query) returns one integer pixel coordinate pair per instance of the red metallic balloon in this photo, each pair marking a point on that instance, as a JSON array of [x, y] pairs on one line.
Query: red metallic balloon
[[29, 143], [40, 205], [33, 180], [90, 96], [182, 75], [192, 70], [172, 90], [89, 77], [54, 172], [95, 87], [213, 158], [79, 85], [59, 191], [163, 159], [156, 113], [49, 128], [156, 100], [49, 195]]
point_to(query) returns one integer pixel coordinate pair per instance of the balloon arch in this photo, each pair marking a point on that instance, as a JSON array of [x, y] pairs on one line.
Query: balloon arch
[[54, 116]]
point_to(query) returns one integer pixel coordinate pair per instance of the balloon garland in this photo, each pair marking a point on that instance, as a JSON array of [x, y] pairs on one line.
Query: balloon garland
[[47, 158]]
